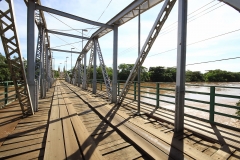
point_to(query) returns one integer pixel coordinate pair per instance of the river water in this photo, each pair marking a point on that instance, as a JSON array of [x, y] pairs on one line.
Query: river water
[[201, 87]]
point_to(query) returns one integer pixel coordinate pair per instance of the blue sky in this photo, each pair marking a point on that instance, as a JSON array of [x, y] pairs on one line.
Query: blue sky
[[202, 24]]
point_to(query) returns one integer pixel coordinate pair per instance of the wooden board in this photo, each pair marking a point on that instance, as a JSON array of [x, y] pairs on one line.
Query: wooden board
[[55, 148]]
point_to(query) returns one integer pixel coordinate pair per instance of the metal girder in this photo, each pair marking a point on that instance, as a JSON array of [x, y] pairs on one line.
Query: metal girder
[[67, 15], [60, 50], [80, 73], [90, 64], [181, 66], [40, 18], [8, 33], [233, 3], [66, 34], [39, 51], [107, 80], [42, 88], [162, 17], [127, 14]]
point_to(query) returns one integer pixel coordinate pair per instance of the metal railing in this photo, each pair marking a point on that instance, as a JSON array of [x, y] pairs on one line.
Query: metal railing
[[210, 106], [7, 93]]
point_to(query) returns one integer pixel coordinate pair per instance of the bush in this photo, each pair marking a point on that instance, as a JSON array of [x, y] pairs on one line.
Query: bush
[[238, 110]]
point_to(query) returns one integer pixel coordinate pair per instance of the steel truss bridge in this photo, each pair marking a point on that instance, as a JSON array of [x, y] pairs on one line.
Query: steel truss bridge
[[39, 78]]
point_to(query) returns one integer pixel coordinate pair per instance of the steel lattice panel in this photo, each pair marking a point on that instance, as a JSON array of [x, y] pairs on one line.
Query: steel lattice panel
[[14, 58]]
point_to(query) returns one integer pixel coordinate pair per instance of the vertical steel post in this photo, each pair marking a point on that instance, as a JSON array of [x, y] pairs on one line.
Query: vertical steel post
[[36, 94], [135, 94], [42, 66], [6, 92], [79, 73], [139, 67], [181, 63], [157, 95], [212, 104], [85, 72], [94, 81], [115, 65], [118, 88], [47, 72], [31, 51]]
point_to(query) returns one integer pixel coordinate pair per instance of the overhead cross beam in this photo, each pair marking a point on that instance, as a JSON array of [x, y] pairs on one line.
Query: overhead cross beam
[[59, 50], [233, 3], [127, 14], [66, 34], [67, 15]]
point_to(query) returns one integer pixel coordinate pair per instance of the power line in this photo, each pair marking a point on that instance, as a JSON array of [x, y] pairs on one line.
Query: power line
[[189, 14], [213, 61], [170, 30], [66, 44], [198, 41], [71, 29], [169, 26], [63, 22], [102, 14]]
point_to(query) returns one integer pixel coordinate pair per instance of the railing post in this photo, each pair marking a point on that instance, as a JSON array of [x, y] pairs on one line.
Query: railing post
[[157, 95], [135, 91], [118, 88], [101, 85], [16, 94], [212, 104], [6, 92]]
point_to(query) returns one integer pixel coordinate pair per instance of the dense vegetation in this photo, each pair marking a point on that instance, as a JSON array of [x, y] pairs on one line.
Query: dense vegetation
[[154, 74], [4, 71]]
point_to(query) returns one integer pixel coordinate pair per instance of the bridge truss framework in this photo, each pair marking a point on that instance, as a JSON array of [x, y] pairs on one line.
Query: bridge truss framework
[[40, 62]]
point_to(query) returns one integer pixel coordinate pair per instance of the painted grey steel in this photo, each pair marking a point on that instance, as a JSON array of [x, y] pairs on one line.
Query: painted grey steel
[[181, 65], [162, 16], [47, 82], [39, 51], [13, 54], [60, 50], [79, 73], [94, 81], [139, 68], [127, 14], [43, 21], [36, 93], [42, 88], [67, 15], [233, 3], [107, 80], [85, 72], [31, 51], [90, 64], [66, 34], [115, 64]]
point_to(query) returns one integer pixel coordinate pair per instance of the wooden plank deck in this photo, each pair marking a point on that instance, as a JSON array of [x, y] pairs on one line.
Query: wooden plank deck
[[28, 137], [213, 141], [74, 124]]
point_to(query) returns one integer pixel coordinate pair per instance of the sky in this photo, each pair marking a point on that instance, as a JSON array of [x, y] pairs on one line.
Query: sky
[[213, 33]]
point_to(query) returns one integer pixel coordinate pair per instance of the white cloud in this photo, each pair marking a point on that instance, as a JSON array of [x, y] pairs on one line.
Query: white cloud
[[221, 20]]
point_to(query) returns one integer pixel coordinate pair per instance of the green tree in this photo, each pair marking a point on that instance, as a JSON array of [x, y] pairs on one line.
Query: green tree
[[194, 76], [125, 69], [4, 71], [221, 76]]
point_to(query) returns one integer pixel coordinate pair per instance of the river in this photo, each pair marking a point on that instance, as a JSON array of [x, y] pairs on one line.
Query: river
[[202, 87]]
